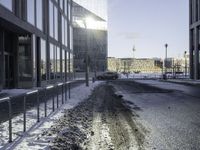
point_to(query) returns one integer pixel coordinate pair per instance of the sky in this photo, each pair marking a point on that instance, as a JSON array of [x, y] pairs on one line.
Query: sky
[[148, 25]]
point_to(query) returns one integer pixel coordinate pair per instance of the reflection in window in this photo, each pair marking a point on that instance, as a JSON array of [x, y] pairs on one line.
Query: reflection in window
[[52, 62], [31, 11], [58, 63], [66, 2], [39, 13], [7, 4], [71, 62], [56, 22], [51, 19], [69, 11], [63, 30], [43, 62], [71, 38], [66, 32], [63, 63], [61, 4], [25, 60]]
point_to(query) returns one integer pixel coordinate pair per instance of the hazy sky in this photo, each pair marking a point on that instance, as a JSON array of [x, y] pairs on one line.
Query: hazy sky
[[148, 24]]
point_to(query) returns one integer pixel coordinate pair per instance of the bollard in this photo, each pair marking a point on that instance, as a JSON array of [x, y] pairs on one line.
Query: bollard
[[57, 91], [65, 92], [53, 102], [38, 107], [45, 103], [24, 113], [62, 95], [10, 120], [69, 90]]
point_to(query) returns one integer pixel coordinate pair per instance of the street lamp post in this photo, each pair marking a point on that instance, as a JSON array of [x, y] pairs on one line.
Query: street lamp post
[[166, 46], [133, 56]]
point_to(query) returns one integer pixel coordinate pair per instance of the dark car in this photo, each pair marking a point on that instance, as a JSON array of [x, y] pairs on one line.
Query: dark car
[[108, 76]]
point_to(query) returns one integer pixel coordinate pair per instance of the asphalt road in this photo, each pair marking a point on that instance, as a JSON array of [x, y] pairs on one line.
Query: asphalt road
[[170, 115], [134, 115], [131, 115]]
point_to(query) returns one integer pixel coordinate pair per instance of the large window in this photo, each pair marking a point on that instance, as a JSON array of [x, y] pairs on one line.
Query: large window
[[39, 14], [7, 4], [61, 4], [71, 62], [55, 22], [64, 31], [68, 62], [63, 64], [69, 10], [43, 61], [58, 63], [55, 62], [71, 38], [51, 19], [52, 62], [25, 60], [31, 11]]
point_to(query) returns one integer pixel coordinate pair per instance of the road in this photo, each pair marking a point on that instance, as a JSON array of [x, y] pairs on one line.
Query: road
[[133, 115]]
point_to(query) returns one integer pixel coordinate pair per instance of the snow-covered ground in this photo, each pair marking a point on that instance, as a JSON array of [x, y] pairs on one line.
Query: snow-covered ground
[[140, 75], [149, 76], [31, 140]]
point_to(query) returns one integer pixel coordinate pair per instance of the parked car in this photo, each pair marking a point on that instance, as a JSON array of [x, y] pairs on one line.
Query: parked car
[[108, 76]]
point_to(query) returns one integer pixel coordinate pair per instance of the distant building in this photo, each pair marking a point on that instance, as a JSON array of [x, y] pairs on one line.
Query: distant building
[[194, 6], [148, 65], [35, 42], [144, 65], [90, 34]]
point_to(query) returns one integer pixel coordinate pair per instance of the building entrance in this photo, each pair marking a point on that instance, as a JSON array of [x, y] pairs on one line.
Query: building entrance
[[16, 63]]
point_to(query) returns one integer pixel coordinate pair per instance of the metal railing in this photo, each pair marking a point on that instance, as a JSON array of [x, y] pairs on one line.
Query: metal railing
[[61, 89]]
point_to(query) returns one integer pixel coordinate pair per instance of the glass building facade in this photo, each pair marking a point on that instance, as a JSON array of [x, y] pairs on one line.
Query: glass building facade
[[194, 6], [35, 39], [97, 7], [90, 33]]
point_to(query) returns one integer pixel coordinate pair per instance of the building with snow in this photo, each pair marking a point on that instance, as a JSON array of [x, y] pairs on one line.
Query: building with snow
[[35, 42]]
